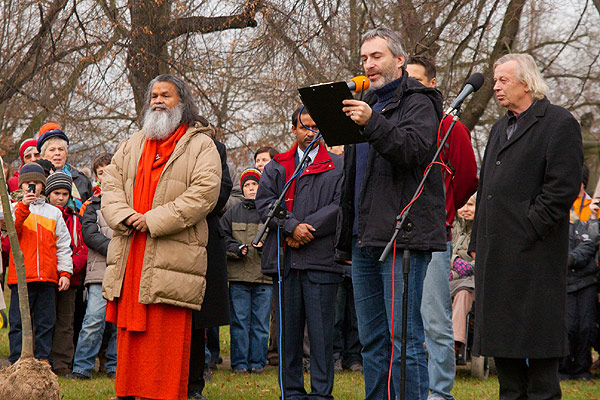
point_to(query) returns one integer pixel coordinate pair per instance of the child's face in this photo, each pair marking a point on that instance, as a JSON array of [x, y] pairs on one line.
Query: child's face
[[59, 197], [38, 187], [100, 173], [249, 189]]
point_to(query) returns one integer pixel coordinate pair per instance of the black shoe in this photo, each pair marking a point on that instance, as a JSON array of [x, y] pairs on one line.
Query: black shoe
[[196, 395], [76, 375]]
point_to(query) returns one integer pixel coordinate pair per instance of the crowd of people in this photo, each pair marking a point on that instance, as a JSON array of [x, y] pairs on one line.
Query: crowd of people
[[161, 245]]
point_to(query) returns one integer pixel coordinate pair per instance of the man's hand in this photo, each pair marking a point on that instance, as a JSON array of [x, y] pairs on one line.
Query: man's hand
[[302, 233], [358, 111], [291, 242], [137, 221], [63, 283], [244, 250], [472, 254], [28, 198]]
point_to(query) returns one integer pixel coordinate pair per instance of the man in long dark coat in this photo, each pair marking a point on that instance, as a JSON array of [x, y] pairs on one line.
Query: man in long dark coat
[[529, 178]]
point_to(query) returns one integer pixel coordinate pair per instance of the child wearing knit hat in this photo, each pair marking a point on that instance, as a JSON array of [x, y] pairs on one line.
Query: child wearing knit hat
[[45, 242], [250, 291], [58, 192]]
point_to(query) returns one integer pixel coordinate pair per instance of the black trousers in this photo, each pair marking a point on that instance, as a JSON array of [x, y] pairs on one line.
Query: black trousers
[[581, 310], [197, 360], [346, 344], [534, 379], [309, 299]]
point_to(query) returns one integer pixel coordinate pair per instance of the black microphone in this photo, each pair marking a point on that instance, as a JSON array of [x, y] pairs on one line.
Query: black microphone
[[472, 85]]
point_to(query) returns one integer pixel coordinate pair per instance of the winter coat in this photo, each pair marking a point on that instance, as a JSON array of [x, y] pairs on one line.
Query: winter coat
[[45, 242], [402, 142], [174, 264], [583, 246], [80, 250], [241, 223], [215, 310], [316, 198], [96, 235], [521, 234], [461, 235]]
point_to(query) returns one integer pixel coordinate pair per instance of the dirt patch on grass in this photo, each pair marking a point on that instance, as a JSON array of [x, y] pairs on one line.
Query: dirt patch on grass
[[29, 379]]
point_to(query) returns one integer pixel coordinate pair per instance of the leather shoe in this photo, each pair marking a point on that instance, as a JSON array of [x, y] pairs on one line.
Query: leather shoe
[[196, 395]]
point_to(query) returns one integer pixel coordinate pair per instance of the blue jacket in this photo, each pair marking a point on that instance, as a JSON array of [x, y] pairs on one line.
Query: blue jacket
[[313, 199]]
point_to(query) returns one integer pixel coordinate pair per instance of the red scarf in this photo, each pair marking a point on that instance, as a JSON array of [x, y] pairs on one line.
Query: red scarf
[[156, 153]]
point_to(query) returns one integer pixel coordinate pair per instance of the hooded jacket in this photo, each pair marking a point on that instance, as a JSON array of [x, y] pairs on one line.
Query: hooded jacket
[[174, 264], [45, 242], [240, 224], [402, 142]]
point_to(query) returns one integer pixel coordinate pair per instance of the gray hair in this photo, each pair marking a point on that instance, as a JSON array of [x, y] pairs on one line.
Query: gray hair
[[54, 140], [527, 72], [394, 41], [190, 109]]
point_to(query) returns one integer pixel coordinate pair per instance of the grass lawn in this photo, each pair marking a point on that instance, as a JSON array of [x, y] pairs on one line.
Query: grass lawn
[[348, 385]]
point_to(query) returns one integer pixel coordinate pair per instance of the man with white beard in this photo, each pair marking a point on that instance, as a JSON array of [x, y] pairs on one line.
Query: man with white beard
[[157, 192]]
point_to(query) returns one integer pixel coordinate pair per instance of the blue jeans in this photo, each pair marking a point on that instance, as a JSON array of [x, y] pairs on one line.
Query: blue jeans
[[42, 306], [436, 309], [90, 336], [437, 320], [250, 307], [373, 298]]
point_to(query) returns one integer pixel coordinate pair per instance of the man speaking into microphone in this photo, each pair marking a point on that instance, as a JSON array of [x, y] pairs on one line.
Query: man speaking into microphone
[[399, 121]]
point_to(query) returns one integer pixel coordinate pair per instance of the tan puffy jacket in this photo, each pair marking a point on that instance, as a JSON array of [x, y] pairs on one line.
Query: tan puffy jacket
[[174, 265]]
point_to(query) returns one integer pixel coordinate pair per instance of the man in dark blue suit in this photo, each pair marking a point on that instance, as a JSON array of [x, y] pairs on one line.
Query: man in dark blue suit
[[310, 275]]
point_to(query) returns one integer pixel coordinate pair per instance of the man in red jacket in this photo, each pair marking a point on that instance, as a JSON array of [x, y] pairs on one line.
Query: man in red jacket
[[436, 306]]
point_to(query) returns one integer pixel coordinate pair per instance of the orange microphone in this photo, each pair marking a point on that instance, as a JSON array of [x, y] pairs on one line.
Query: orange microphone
[[358, 84]]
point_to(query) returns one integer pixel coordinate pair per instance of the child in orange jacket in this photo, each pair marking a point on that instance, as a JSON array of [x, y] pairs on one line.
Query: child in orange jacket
[[45, 242]]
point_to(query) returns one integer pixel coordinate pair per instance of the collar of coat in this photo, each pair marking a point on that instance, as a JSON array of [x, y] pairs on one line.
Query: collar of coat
[[194, 129], [321, 163], [537, 110]]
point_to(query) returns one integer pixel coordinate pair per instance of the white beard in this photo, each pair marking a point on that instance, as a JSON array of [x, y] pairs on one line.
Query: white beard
[[159, 125]]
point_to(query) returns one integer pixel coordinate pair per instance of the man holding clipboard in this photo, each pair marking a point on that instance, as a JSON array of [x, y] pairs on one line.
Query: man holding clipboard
[[398, 122]]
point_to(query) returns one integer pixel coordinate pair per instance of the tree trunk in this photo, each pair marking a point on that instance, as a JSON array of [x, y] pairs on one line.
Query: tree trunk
[[27, 345]]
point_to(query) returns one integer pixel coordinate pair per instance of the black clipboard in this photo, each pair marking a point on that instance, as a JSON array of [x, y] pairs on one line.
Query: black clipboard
[[324, 104]]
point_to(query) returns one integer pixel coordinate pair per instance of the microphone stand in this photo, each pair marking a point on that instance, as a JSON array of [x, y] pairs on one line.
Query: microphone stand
[[277, 211], [403, 224]]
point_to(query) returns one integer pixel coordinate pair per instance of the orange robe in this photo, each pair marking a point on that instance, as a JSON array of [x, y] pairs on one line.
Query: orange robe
[[153, 340]]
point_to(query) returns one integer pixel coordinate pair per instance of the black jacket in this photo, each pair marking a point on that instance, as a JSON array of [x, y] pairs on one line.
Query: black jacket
[[215, 309], [521, 234], [583, 245], [316, 202], [93, 238], [402, 142]]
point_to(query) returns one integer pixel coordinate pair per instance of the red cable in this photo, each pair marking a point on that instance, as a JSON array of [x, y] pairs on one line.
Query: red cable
[[445, 167]]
